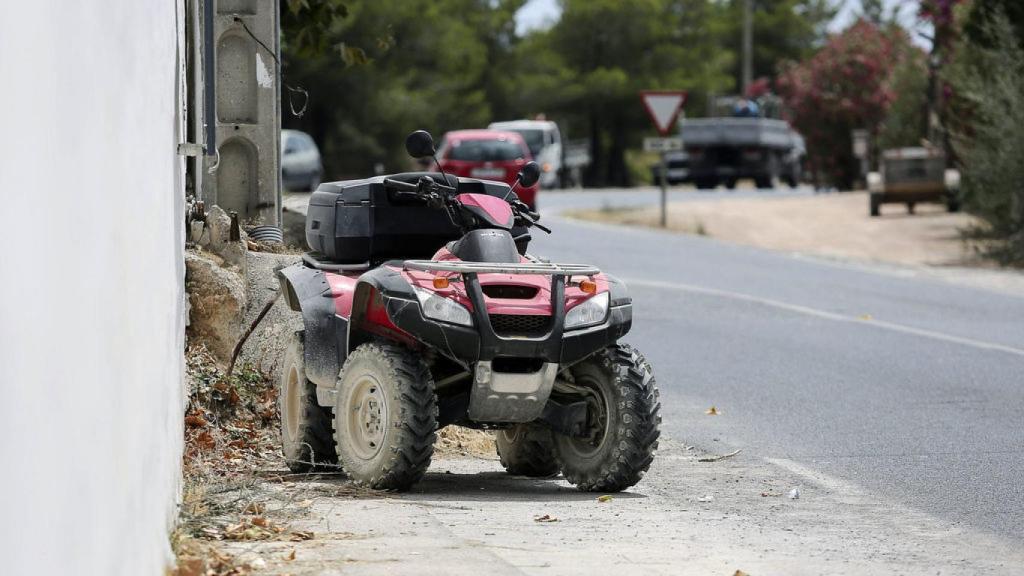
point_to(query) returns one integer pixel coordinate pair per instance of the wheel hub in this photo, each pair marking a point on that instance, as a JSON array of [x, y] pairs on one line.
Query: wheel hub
[[597, 423], [368, 417]]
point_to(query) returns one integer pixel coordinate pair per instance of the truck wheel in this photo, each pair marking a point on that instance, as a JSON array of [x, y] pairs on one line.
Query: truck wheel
[[910, 207], [306, 435], [527, 450], [763, 182], [730, 183], [385, 416], [953, 204], [623, 414], [876, 205]]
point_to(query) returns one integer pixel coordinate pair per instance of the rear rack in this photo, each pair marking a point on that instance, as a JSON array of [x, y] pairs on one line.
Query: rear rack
[[491, 268]]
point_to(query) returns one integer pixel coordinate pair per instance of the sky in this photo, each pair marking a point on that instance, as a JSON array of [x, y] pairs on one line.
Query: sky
[[542, 13]]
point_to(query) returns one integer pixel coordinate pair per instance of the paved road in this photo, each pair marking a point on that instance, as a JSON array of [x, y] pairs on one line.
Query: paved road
[[908, 386]]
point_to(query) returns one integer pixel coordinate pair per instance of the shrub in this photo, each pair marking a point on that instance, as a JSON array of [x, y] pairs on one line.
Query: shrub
[[987, 81]]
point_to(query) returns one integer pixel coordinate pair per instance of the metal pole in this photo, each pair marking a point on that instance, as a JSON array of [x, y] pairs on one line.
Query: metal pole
[[663, 177], [748, 45], [209, 80]]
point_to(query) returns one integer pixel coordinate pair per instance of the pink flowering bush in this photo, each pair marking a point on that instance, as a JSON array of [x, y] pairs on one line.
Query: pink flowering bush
[[847, 85]]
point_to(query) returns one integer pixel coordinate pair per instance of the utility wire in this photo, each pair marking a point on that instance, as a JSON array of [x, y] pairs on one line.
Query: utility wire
[[291, 89]]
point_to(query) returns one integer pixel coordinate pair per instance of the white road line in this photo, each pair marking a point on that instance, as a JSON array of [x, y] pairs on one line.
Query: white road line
[[826, 315]]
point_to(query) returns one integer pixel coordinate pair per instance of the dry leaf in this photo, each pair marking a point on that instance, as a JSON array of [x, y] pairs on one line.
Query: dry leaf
[[196, 421], [604, 498], [300, 535], [290, 556], [865, 316], [205, 441], [305, 504], [712, 411], [190, 567], [255, 508], [545, 518], [740, 573]]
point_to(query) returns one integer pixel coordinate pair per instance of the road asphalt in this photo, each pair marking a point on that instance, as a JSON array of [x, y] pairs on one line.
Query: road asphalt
[[907, 385]]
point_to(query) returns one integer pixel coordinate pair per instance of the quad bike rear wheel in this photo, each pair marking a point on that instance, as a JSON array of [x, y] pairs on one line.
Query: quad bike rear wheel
[[306, 435], [623, 422], [527, 450], [385, 416]]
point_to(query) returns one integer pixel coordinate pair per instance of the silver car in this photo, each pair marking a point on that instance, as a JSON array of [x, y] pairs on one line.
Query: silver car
[[301, 168]]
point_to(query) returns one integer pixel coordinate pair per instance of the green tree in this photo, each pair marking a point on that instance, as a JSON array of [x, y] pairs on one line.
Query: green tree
[[784, 31], [987, 80], [423, 68], [589, 68]]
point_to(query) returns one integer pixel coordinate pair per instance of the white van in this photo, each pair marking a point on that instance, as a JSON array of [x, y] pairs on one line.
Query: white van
[[545, 144]]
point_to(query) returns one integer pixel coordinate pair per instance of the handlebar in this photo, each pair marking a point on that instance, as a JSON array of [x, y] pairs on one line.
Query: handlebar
[[400, 185]]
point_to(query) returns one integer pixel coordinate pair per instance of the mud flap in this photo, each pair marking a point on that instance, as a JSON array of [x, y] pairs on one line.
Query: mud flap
[[306, 290]]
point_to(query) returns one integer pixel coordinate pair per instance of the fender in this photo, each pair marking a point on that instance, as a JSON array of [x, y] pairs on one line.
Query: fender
[[306, 290], [369, 312], [618, 293]]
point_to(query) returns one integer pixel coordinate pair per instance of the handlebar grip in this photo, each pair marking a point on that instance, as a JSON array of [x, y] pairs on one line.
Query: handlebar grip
[[399, 185]]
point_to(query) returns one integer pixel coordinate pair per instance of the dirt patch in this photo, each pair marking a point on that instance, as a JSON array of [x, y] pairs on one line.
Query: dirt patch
[[453, 441], [834, 225]]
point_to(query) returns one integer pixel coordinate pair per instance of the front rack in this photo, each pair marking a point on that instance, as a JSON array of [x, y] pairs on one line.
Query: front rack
[[491, 268]]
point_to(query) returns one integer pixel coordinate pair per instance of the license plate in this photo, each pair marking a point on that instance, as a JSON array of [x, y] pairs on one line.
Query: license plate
[[489, 173]]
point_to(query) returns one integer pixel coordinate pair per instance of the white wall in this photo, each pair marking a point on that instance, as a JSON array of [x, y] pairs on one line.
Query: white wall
[[91, 286]]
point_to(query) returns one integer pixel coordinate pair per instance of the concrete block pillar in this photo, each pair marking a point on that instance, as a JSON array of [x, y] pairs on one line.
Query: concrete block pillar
[[246, 175]]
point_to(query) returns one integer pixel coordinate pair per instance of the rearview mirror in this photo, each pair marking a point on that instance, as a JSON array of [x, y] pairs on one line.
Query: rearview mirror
[[529, 175], [420, 144]]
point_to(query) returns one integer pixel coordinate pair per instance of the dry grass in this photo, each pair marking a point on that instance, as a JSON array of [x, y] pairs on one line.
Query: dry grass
[[236, 486]]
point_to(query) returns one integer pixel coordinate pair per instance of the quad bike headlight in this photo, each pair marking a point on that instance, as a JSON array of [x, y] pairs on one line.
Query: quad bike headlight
[[589, 313], [440, 308]]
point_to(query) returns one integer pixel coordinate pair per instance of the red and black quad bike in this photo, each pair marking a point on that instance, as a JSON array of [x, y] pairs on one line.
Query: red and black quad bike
[[421, 308]]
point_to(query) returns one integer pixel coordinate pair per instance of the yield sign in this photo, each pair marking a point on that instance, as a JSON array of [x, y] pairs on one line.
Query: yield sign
[[663, 107]]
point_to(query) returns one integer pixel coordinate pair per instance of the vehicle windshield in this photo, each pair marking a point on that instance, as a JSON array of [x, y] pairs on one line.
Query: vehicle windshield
[[534, 140], [484, 150]]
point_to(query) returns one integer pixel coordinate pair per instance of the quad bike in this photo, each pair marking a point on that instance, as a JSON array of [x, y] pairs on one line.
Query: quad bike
[[421, 308]]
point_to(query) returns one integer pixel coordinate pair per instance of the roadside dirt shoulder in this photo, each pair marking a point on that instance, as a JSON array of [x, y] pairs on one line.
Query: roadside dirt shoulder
[[833, 225]]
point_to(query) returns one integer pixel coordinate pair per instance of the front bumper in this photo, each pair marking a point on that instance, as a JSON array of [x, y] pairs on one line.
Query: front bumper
[[519, 395], [468, 345]]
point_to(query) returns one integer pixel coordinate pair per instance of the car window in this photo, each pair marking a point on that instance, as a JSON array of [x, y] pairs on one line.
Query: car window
[[484, 150], [291, 145], [534, 140]]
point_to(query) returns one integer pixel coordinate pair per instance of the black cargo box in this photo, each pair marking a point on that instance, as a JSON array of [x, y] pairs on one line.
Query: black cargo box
[[361, 221]]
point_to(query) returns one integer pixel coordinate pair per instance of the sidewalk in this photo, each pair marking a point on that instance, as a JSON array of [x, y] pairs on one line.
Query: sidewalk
[[687, 517]]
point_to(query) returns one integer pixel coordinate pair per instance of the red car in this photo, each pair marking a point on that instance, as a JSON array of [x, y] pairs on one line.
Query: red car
[[487, 155]]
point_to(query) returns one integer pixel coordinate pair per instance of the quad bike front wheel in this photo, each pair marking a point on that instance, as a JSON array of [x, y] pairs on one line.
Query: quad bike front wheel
[[527, 450], [306, 434], [623, 422], [385, 416]]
